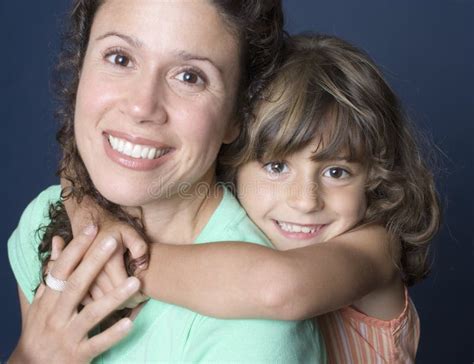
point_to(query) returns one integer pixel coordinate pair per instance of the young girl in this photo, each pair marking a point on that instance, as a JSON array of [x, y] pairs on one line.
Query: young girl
[[331, 173]]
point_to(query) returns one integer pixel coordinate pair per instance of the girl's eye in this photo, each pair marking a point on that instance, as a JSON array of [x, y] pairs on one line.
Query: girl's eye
[[276, 167], [336, 172], [119, 59], [190, 77]]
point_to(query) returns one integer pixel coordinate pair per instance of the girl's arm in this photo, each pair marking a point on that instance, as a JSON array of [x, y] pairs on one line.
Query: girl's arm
[[235, 280], [232, 280]]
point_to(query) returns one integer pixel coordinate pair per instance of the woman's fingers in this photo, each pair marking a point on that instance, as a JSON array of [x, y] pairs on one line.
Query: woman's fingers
[[57, 248], [86, 272], [95, 312], [73, 253], [105, 340]]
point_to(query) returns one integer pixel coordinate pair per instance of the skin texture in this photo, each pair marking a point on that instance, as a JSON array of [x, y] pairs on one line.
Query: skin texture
[[167, 72], [52, 329], [327, 196], [342, 268], [135, 83]]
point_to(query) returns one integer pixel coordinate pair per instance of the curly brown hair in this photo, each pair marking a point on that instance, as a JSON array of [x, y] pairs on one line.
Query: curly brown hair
[[331, 89], [258, 25]]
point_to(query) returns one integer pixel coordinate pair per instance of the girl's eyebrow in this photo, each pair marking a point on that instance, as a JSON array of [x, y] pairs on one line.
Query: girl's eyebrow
[[134, 42]]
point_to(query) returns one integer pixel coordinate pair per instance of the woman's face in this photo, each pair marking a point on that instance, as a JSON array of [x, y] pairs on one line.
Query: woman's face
[[155, 98]]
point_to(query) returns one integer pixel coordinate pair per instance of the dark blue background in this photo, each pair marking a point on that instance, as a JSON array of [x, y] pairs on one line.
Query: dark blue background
[[426, 49]]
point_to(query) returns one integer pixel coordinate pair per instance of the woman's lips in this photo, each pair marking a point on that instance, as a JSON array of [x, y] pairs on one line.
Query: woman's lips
[[298, 231], [137, 164]]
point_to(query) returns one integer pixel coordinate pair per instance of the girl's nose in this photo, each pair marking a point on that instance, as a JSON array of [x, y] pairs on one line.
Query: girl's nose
[[305, 197], [146, 101]]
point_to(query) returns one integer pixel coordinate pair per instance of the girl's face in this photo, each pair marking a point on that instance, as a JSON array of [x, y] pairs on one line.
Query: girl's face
[[155, 98], [297, 202]]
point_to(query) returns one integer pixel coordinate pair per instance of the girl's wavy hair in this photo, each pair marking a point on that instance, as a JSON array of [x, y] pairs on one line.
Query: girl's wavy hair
[[258, 26], [333, 90]]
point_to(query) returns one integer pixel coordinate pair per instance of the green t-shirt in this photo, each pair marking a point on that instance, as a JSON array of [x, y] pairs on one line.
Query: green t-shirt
[[167, 333]]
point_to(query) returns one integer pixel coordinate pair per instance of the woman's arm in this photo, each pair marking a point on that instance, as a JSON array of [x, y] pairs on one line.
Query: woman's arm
[[246, 280]]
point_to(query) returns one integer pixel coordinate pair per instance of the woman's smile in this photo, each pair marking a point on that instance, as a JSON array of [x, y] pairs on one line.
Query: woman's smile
[[141, 157], [156, 99]]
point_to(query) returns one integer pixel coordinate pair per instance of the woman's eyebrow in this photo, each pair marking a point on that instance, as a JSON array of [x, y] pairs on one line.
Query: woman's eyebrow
[[134, 42], [186, 56]]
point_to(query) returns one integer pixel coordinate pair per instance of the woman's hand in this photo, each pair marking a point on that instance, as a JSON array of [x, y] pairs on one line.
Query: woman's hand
[[136, 248], [54, 330]]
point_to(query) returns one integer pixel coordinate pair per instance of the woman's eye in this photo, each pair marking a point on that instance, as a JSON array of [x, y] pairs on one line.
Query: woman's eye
[[119, 59], [336, 172], [190, 77], [276, 167]]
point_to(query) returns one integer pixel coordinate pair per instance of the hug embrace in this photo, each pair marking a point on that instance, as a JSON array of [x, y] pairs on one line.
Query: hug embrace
[[228, 194]]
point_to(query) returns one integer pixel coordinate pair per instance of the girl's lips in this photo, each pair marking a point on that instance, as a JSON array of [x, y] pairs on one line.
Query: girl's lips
[[300, 235], [136, 164]]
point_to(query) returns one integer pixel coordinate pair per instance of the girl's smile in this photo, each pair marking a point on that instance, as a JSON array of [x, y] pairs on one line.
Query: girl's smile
[[298, 231], [299, 201]]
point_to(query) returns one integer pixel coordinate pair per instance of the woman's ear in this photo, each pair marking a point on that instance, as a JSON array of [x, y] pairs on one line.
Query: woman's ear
[[232, 132]]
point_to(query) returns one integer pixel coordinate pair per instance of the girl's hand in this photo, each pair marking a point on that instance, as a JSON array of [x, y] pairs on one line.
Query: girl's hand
[[115, 272], [54, 330]]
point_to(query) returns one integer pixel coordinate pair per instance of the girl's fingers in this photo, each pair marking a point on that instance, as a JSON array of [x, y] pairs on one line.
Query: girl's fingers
[[105, 340], [134, 242], [95, 312], [84, 275], [115, 271]]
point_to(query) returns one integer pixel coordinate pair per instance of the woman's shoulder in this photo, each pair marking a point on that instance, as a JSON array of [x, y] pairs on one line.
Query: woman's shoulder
[[230, 222], [23, 243]]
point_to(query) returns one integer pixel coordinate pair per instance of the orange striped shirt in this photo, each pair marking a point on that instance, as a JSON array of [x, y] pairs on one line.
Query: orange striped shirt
[[353, 337]]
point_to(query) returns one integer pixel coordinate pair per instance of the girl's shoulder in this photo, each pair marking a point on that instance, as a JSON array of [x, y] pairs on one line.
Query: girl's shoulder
[[351, 332]]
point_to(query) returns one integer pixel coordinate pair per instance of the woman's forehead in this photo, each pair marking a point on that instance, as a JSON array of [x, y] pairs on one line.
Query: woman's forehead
[[193, 27]]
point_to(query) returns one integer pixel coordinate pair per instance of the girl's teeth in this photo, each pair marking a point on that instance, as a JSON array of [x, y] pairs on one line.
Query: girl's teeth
[[296, 228], [135, 150]]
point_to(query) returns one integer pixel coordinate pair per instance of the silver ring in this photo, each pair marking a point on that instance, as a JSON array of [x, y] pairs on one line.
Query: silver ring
[[54, 283]]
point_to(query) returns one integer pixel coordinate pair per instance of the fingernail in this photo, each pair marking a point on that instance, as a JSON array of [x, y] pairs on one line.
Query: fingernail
[[125, 324], [143, 266], [109, 244], [90, 230], [132, 284]]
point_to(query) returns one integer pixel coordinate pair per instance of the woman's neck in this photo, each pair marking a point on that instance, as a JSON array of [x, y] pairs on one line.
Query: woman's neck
[[179, 219]]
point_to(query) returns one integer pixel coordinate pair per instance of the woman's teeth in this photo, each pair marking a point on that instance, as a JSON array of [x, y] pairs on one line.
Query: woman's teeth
[[136, 150], [292, 228]]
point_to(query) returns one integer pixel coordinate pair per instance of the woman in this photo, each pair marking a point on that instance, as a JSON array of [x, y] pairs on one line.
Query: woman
[[159, 88]]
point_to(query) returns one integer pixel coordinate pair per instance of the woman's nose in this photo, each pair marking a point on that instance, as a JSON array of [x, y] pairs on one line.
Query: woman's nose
[[145, 101], [305, 197]]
